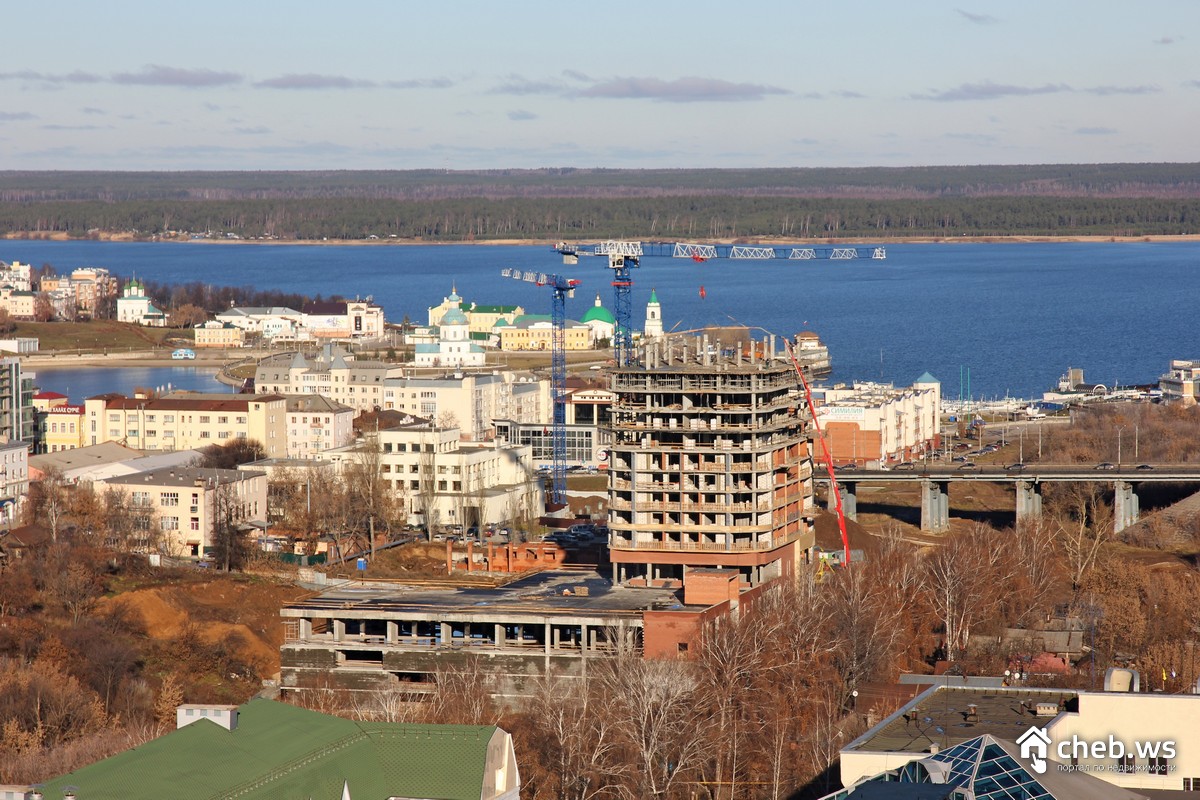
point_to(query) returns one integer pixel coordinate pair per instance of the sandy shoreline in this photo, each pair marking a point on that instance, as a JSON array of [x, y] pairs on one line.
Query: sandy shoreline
[[125, 237]]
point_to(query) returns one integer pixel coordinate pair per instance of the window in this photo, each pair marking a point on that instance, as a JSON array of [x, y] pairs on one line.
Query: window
[[149, 418], [195, 523], [140, 499], [204, 434], [114, 417], [222, 420], [204, 420], [114, 433], [1158, 765], [169, 434], [54, 427], [170, 499], [1125, 763], [151, 434], [168, 417], [241, 420], [169, 523]]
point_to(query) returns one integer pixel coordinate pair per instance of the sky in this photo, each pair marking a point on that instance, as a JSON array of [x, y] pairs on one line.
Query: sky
[[266, 85]]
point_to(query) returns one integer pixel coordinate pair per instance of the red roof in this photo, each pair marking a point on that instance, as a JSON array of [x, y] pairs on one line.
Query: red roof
[[49, 396]]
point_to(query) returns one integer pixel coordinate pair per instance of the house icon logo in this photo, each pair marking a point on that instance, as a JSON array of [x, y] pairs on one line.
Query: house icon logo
[[1035, 744]]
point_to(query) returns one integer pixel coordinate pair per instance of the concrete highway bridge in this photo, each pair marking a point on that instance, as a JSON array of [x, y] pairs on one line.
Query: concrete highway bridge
[[935, 480]]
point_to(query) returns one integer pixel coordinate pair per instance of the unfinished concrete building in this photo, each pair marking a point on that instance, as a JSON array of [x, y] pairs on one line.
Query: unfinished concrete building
[[709, 466]]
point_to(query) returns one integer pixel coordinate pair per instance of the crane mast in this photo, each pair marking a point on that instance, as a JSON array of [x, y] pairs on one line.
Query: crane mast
[[562, 288]]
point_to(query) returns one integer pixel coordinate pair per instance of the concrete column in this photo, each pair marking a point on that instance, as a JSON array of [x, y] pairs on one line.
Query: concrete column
[[546, 639], [935, 506], [393, 632], [447, 635], [305, 629], [1125, 505], [498, 635], [339, 630], [849, 494], [1029, 500]]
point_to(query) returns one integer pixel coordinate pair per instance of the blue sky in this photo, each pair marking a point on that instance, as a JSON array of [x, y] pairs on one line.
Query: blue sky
[[470, 85]]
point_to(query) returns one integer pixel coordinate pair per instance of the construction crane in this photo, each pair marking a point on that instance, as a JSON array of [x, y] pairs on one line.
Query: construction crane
[[622, 256], [563, 288]]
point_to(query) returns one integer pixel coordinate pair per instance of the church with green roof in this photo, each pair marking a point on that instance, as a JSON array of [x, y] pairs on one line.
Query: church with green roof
[[266, 750]]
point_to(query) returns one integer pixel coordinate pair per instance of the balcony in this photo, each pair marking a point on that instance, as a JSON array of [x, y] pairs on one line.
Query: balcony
[[703, 547]]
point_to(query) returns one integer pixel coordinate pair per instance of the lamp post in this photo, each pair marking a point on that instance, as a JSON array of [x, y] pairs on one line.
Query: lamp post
[[1120, 428]]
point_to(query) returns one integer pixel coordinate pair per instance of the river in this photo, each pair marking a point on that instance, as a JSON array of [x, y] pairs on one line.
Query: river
[[1015, 314]]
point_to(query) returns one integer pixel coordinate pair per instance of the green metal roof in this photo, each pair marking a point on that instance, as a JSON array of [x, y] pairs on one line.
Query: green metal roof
[[281, 752], [927, 378], [598, 313]]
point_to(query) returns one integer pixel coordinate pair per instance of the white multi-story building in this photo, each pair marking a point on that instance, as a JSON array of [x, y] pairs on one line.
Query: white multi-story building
[[472, 402], [333, 373], [316, 423], [16, 275], [445, 480], [14, 480], [878, 422]]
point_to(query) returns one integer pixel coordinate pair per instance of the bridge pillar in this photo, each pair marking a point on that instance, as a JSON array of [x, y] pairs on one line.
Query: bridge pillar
[[935, 506], [1125, 505], [849, 500], [1029, 500]]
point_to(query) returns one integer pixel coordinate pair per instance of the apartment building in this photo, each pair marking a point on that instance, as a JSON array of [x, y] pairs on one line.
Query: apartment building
[[60, 428], [184, 420], [14, 480], [18, 419], [270, 322], [445, 480], [709, 464], [17, 303], [588, 435], [878, 422], [332, 372], [17, 275], [315, 424], [472, 402], [177, 509]]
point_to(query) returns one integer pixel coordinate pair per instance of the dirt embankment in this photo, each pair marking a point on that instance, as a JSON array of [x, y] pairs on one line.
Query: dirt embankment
[[244, 615]]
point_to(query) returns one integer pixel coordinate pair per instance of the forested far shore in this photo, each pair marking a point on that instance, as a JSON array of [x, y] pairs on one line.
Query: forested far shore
[[701, 217]]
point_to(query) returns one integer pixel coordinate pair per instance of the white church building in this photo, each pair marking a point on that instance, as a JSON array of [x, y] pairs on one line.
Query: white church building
[[454, 347]]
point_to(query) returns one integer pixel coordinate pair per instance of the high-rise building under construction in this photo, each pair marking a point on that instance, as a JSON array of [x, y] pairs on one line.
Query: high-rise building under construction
[[710, 466]]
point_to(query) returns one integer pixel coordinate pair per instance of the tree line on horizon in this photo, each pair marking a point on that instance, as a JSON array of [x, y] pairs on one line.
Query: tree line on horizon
[[696, 217]]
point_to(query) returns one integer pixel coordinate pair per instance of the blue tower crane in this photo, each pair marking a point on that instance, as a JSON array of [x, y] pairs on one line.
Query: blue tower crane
[[563, 288], [622, 256]]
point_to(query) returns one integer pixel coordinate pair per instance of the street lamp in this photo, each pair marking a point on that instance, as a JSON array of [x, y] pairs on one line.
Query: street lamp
[[1120, 428]]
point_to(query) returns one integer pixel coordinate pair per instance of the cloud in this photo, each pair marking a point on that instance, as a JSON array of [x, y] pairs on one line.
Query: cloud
[[849, 95], [521, 115], [252, 131], [519, 85], [978, 19], [93, 110], [979, 138], [311, 80], [1165, 40], [45, 77], [681, 90], [158, 75], [576, 75], [13, 116], [1095, 131], [989, 91], [429, 83], [1192, 84], [1105, 91], [56, 127]]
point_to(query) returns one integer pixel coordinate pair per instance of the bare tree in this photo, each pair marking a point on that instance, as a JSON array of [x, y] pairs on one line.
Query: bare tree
[[577, 736]]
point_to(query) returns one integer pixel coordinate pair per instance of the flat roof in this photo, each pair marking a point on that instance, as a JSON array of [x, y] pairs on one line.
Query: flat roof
[[940, 716], [542, 593]]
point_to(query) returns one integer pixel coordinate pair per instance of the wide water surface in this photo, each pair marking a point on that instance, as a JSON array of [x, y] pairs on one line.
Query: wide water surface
[[1016, 315]]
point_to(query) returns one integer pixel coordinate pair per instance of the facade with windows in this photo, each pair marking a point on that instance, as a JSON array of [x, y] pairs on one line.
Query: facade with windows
[[187, 420], [472, 402], [175, 511], [17, 417], [332, 372], [14, 480], [60, 428], [315, 424], [215, 333], [444, 480]]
